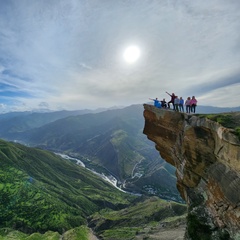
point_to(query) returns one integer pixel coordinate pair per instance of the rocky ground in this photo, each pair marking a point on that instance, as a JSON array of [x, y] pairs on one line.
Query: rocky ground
[[163, 233], [169, 234], [91, 236]]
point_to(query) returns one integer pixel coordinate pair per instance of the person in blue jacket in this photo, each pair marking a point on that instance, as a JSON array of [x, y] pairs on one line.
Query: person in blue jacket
[[157, 103], [181, 103]]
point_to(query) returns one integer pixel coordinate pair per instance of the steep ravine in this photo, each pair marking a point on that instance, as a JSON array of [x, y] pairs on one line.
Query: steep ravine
[[207, 160]]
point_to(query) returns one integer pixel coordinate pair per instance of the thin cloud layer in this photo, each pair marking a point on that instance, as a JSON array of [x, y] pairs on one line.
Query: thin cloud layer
[[69, 54]]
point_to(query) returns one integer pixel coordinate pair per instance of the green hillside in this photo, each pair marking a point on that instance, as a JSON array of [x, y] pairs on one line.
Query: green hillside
[[77, 233], [111, 142], [144, 217], [228, 120], [138, 219], [40, 191], [44, 197]]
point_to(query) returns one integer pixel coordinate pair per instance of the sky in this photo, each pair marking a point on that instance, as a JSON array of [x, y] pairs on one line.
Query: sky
[[70, 54]]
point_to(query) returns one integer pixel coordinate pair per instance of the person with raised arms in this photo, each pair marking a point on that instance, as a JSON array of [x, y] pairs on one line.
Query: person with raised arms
[[156, 102], [172, 100]]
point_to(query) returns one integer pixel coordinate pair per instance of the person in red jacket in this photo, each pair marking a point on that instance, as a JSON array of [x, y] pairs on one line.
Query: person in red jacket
[[173, 96]]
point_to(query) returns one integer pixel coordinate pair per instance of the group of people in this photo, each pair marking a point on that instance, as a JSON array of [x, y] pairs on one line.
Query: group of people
[[178, 103]]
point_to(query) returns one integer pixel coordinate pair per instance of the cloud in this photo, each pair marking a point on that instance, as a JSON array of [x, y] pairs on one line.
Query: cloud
[[214, 81], [43, 105], [216, 96], [1, 69], [83, 65], [69, 53], [2, 105]]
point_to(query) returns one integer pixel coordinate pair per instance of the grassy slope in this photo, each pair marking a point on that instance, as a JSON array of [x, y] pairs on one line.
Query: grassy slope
[[40, 191], [127, 223], [77, 233], [228, 120], [142, 217]]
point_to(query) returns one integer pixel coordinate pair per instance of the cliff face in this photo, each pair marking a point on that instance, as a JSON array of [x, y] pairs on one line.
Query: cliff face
[[207, 160]]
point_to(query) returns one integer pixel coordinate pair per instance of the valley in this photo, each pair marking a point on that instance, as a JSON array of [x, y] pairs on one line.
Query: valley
[[108, 179], [109, 142], [102, 163], [44, 196]]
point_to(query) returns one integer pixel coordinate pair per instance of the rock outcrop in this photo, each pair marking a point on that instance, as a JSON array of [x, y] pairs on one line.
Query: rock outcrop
[[207, 160]]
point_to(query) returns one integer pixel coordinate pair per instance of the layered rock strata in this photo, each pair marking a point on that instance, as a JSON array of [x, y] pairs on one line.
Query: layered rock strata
[[207, 160]]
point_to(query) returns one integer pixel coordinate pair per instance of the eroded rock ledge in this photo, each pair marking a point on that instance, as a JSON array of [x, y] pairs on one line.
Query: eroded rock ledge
[[207, 160]]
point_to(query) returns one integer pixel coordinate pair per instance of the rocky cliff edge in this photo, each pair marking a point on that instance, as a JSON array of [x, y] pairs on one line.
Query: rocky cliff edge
[[207, 160]]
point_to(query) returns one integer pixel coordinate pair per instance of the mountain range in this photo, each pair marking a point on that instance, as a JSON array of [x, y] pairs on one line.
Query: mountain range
[[109, 141], [41, 192]]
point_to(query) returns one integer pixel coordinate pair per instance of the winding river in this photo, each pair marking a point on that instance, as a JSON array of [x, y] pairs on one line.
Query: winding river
[[111, 179]]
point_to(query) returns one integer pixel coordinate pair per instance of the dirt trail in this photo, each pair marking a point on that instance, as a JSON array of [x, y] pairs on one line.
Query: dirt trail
[[91, 236]]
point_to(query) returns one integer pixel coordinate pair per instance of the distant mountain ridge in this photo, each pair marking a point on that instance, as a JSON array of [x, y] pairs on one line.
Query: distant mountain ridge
[[14, 122], [211, 109], [17, 122]]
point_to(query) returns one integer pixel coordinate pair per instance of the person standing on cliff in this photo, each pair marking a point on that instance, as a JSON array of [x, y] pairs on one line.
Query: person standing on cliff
[[172, 100], [187, 104], [164, 103], [181, 102], [193, 104], [156, 102], [176, 103]]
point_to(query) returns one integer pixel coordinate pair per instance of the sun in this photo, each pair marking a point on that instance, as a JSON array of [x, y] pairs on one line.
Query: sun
[[131, 54]]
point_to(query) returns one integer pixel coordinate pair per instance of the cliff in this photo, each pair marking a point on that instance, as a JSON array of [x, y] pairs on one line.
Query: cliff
[[207, 160]]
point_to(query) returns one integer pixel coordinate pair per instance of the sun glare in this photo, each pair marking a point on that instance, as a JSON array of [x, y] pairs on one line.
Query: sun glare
[[131, 54]]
